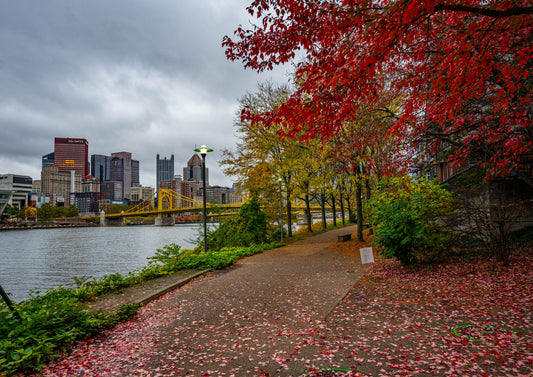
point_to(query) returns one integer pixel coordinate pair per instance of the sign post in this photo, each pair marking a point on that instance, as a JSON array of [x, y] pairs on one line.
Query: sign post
[[367, 256]]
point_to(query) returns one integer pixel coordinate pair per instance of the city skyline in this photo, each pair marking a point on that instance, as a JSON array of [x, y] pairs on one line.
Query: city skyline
[[93, 158], [95, 163], [97, 166], [138, 76]]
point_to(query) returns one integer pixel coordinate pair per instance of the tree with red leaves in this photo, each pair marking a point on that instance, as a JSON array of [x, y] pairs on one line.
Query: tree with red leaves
[[461, 68]]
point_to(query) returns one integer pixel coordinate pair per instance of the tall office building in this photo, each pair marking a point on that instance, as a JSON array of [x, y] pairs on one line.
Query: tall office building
[[100, 167], [71, 154], [48, 159], [56, 183], [125, 170], [164, 170], [135, 181], [193, 172], [193, 177]]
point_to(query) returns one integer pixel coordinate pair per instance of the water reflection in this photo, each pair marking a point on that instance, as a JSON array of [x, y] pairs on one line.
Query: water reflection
[[43, 258]]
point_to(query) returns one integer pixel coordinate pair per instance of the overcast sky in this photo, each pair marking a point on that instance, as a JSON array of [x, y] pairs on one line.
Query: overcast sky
[[143, 76]]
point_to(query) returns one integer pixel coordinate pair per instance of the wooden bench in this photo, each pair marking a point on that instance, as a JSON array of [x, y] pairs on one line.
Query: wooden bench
[[344, 237]]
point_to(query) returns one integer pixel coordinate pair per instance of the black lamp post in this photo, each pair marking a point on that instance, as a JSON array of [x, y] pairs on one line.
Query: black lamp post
[[203, 151]]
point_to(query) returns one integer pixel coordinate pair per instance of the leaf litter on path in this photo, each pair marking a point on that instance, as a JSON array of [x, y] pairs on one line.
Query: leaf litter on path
[[464, 318]]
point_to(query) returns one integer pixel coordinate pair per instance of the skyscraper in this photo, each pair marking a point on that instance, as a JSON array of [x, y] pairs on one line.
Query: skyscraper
[[71, 154], [48, 159], [192, 175], [135, 181], [100, 167], [193, 172], [164, 170], [126, 170]]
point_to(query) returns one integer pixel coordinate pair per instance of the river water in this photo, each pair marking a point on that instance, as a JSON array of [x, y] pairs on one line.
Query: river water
[[40, 259]]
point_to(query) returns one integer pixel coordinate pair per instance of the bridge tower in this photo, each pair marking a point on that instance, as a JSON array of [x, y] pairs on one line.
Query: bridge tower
[[164, 202]]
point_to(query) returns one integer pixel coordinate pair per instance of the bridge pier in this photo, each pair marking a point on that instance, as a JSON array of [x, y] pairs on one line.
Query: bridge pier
[[164, 221], [120, 221]]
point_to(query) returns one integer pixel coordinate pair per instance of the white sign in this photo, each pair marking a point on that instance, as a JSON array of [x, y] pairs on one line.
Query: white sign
[[367, 256]]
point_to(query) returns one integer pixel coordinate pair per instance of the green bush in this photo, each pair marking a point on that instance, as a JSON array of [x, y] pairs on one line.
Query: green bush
[[49, 324], [168, 255], [171, 259], [407, 215], [248, 227]]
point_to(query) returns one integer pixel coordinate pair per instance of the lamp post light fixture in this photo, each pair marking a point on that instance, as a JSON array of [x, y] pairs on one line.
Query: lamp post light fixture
[[203, 150], [280, 211]]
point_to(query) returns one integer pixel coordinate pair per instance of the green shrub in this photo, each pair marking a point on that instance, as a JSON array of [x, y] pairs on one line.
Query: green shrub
[[247, 228], [49, 324], [218, 259], [407, 214], [168, 255]]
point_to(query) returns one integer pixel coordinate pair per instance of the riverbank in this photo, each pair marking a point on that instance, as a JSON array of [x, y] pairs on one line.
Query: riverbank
[[79, 224], [28, 226]]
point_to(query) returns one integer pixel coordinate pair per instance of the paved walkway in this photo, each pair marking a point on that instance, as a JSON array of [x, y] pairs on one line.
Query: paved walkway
[[255, 318]]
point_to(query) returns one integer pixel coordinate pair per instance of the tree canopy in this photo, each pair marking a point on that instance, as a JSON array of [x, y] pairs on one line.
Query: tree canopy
[[461, 68]]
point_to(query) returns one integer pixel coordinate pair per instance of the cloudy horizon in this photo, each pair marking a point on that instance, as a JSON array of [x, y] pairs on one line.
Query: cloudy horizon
[[129, 75]]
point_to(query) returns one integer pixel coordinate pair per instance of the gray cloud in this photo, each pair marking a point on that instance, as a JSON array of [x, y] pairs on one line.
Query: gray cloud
[[142, 76]]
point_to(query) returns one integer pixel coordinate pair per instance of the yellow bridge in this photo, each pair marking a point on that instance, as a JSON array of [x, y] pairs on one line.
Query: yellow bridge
[[163, 204]]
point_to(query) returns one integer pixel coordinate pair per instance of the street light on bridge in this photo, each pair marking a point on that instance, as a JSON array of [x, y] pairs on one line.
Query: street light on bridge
[[203, 150]]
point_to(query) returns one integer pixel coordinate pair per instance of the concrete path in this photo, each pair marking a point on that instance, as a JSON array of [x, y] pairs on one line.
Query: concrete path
[[255, 318]]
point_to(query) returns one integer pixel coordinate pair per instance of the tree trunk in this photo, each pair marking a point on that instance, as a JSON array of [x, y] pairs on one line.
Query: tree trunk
[[323, 204], [359, 201], [334, 210], [308, 213], [289, 217], [368, 189], [342, 209], [368, 195], [350, 211]]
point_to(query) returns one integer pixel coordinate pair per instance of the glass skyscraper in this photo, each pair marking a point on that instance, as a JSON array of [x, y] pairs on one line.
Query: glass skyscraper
[[100, 167], [164, 170], [48, 159]]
